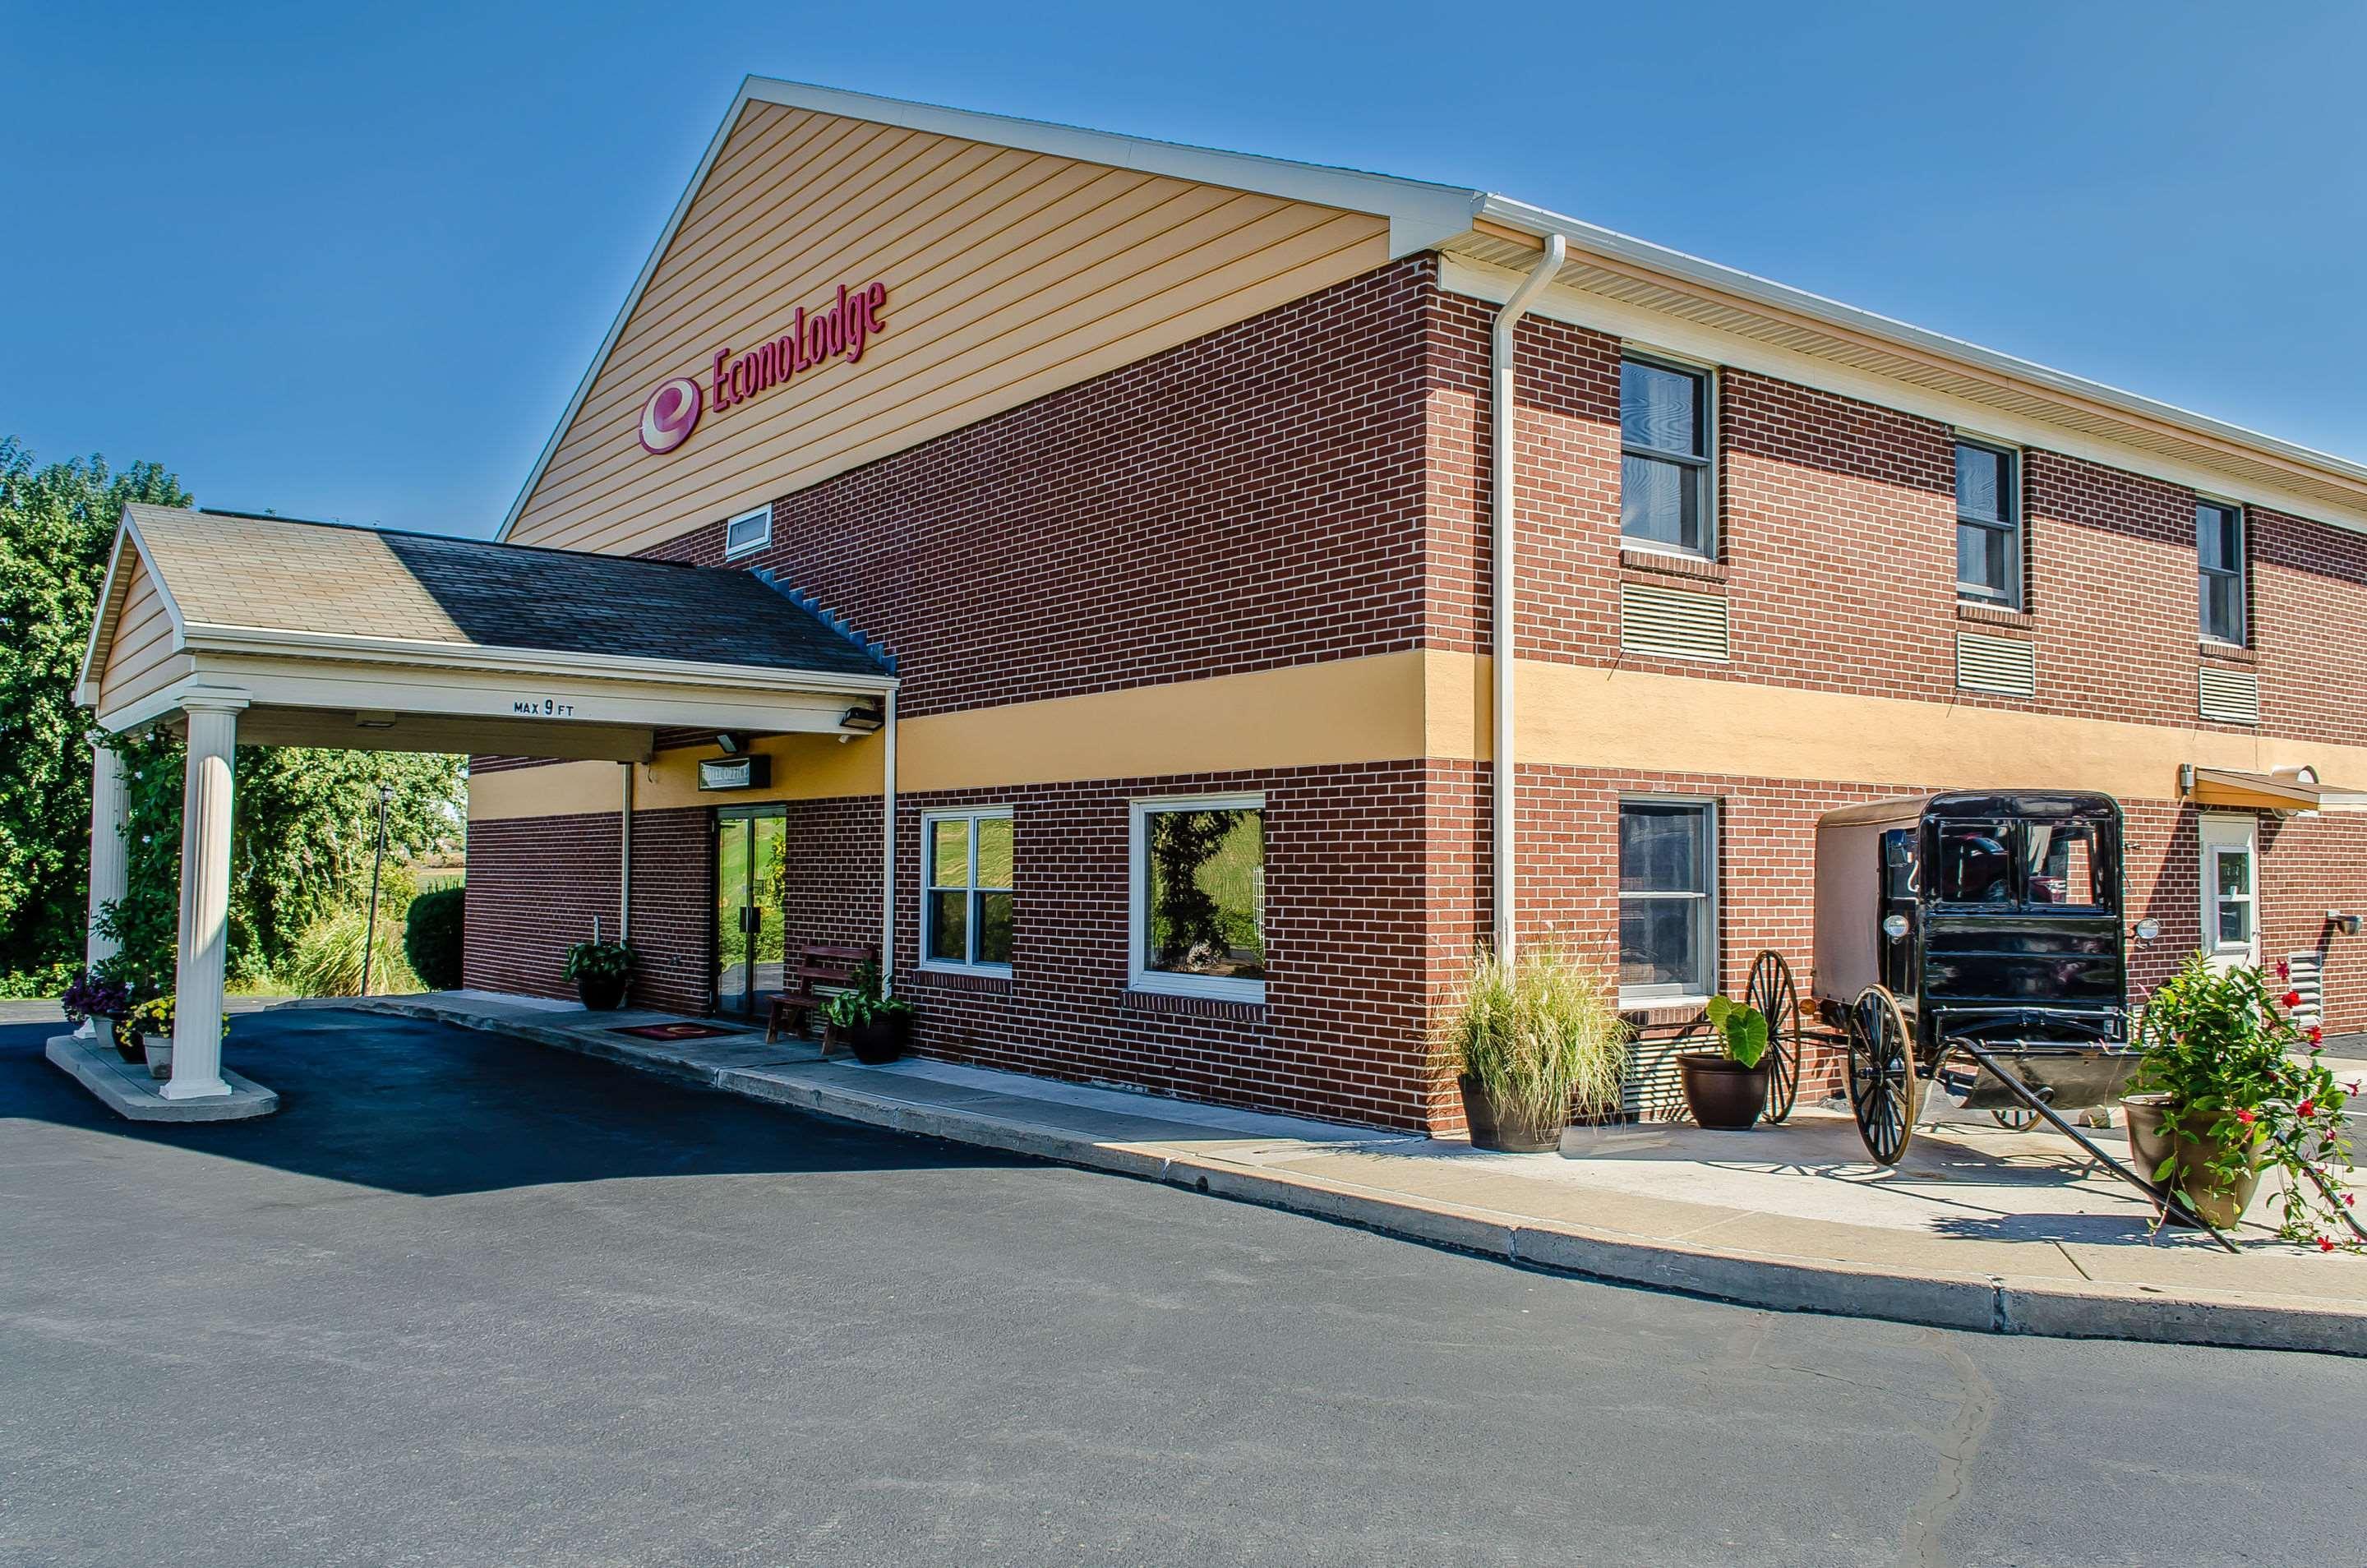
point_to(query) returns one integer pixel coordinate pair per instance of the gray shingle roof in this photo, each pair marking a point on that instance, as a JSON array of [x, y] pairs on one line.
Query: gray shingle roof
[[278, 574]]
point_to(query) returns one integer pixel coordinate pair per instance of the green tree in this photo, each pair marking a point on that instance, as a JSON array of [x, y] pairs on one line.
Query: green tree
[[56, 523]]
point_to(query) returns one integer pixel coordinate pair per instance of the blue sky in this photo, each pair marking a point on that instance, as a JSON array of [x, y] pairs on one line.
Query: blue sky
[[348, 261]]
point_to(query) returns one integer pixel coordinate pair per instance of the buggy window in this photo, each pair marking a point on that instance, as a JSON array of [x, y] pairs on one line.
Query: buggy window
[[2064, 863], [1898, 865], [1975, 865]]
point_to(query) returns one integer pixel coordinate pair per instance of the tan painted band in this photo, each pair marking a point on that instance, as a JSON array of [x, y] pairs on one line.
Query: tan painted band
[[1399, 706]]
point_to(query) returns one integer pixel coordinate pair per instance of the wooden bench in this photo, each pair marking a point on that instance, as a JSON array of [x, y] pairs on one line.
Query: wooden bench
[[817, 970]]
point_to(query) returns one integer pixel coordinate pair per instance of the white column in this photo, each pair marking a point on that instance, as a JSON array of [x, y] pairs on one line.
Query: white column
[[109, 869], [205, 897]]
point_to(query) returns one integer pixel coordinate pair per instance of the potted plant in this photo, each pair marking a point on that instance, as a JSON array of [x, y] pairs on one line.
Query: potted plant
[[1727, 1089], [151, 1023], [1529, 1041], [601, 970], [93, 997], [2231, 1088], [875, 1027]]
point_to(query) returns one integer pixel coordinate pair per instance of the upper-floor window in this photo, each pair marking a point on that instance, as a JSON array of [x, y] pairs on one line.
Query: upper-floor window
[[1664, 464], [1989, 525], [2219, 542], [752, 530]]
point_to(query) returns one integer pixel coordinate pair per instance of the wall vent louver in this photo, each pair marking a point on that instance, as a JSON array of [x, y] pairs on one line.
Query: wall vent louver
[[2230, 696], [2305, 975], [2001, 664], [1668, 623]]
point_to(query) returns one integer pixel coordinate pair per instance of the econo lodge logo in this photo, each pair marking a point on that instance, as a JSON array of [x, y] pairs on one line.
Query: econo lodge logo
[[670, 414]]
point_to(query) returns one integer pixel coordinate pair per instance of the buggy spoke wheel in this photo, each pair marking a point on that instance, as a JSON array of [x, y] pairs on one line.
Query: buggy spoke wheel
[[1881, 1075], [2015, 1117], [1770, 989]]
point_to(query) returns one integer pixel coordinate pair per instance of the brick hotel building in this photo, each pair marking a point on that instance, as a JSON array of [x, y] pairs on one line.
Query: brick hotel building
[[1165, 488]]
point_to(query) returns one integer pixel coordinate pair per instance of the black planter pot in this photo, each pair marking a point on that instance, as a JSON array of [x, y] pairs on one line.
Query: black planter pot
[[1500, 1128], [874, 1044], [601, 993], [1723, 1095], [128, 1044]]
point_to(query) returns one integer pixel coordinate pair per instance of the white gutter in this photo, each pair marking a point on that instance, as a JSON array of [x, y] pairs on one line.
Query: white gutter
[[1503, 537], [888, 852], [625, 859]]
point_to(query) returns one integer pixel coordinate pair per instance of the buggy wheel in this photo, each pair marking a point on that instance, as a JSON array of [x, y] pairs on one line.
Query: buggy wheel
[[2015, 1117], [1770, 989], [1882, 1074]]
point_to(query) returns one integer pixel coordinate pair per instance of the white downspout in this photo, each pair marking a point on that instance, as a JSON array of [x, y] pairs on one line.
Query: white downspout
[[625, 860], [887, 854], [1503, 537]]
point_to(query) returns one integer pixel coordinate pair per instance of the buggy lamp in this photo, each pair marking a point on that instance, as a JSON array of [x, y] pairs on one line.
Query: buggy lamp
[[2347, 924], [2148, 929], [1894, 927]]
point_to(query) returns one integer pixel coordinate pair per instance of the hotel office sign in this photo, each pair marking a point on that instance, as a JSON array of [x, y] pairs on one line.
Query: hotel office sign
[[840, 330]]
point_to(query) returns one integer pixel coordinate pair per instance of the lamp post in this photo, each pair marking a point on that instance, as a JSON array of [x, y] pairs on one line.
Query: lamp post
[[378, 862]]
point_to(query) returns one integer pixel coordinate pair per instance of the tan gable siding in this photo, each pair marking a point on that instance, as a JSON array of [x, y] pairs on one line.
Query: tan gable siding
[[140, 658], [1009, 274]]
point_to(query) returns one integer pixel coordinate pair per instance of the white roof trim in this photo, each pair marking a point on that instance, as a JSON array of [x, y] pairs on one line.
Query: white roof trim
[[1597, 240], [1421, 215]]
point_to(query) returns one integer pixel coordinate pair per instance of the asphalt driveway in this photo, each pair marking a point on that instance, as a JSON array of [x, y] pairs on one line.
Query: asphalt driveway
[[466, 1301]]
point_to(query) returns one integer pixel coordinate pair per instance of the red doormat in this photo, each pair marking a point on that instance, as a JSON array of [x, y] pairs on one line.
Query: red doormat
[[674, 1030]]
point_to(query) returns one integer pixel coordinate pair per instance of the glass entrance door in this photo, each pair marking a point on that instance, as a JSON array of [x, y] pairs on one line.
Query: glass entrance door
[[751, 844]]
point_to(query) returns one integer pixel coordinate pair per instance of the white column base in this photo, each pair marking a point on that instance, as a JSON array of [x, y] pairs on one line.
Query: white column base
[[191, 1088]]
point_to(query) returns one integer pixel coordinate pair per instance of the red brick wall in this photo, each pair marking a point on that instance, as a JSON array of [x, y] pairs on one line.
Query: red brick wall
[[536, 884], [1251, 499]]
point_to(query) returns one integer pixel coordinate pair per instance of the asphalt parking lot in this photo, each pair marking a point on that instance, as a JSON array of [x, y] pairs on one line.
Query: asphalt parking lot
[[469, 1300]]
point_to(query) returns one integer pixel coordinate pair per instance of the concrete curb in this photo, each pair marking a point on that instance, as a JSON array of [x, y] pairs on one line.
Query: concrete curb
[[2052, 1308]]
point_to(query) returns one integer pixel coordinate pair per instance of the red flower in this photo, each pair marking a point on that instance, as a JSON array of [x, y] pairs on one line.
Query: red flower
[[2284, 970], [2246, 1117], [2308, 1109], [2315, 1034], [2351, 1199], [2324, 1244], [2290, 999]]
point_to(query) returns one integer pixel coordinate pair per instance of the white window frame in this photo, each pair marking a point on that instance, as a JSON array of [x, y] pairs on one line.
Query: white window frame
[[2224, 835], [972, 816], [1707, 461], [732, 550], [1161, 982], [2242, 574], [1638, 997], [2014, 526]]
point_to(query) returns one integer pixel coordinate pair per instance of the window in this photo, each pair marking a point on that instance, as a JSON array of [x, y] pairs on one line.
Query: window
[[1976, 864], [1989, 525], [1664, 419], [1197, 921], [2219, 542], [750, 530], [965, 895], [2063, 864], [1667, 874], [2230, 891]]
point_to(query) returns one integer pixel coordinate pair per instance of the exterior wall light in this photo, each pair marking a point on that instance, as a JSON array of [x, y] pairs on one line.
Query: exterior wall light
[[2347, 924], [863, 721]]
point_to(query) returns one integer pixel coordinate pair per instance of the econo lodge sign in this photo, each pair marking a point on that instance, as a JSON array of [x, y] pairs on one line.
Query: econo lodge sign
[[838, 331]]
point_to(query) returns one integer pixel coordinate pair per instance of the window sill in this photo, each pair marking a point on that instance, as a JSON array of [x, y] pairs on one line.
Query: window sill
[[1986, 614], [1671, 563], [962, 977], [1653, 1012], [1193, 1004], [2233, 653]]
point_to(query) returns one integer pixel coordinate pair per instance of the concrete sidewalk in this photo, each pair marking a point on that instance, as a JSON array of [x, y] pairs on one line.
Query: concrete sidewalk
[[1978, 1228]]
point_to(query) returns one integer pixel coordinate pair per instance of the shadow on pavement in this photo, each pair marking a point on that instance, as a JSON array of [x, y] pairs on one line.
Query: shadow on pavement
[[421, 1108]]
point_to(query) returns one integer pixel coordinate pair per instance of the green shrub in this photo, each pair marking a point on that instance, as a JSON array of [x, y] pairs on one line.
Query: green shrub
[[431, 938], [327, 958], [1541, 1035]]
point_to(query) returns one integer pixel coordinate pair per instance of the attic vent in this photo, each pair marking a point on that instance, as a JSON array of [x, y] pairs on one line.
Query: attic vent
[[1998, 664], [2304, 975], [1668, 623], [2230, 696]]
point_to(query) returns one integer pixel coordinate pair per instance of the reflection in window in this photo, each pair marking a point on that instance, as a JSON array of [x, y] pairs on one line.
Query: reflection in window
[[2064, 862], [1898, 865], [1664, 455], [1204, 892], [1976, 866], [968, 863], [2232, 895], [1667, 856]]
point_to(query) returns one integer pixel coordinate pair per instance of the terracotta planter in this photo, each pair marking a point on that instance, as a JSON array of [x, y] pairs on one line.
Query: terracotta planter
[[2153, 1137], [1504, 1129], [1724, 1094]]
